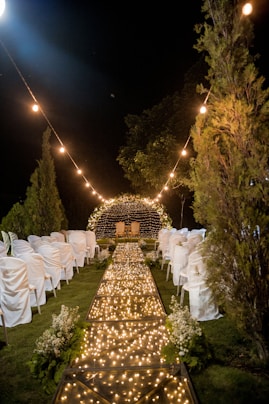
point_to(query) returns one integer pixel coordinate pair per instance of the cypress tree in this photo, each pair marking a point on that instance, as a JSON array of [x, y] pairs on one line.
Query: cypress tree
[[230, 173], [43, 207]]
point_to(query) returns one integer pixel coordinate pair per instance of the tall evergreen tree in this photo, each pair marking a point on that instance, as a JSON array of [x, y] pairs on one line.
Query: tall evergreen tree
[[43, 207], [15, 220], [230, 173]]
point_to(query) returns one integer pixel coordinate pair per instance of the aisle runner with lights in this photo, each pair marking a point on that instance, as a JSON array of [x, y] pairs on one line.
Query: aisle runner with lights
[[122, 356]]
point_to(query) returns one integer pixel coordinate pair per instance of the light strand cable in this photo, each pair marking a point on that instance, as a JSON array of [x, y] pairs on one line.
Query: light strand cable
[[41, 110]]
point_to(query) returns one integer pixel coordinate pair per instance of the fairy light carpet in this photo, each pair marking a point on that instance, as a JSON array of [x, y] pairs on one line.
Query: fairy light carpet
[[121, 361]]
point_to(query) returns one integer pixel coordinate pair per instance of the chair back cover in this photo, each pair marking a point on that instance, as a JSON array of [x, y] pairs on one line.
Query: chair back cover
[[77, 239], [3, 249], [14, 291], [36, 276], [58, 236], [20, 247], [6, 240], [52, 262], [67, 258], [202, 304], [91, 243], [179, 264], [164, 242], [34, 241], [175, 238], [12, 236], [50, 239]]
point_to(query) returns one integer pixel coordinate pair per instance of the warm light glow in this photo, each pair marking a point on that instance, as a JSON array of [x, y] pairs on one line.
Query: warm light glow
[[79, 171], [35, 108], [62, 149], [87, 184], [203, 109], [172, 175], [2, 7], [184, 152], [121, 353], [166, 188], [247, 9]]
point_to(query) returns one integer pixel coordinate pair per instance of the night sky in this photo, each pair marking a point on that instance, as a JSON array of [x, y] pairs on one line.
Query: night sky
[[89, 64]]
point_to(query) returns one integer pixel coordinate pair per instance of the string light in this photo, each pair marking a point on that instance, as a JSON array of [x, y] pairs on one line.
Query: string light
[[121, 359], [2, 7], [246, 10], [37, 108]]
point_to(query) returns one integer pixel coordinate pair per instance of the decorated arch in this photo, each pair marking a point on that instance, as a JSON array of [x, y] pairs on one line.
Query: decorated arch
[[152, 216]]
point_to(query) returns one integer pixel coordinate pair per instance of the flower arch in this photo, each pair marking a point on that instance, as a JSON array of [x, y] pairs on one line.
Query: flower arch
[[152, 216]]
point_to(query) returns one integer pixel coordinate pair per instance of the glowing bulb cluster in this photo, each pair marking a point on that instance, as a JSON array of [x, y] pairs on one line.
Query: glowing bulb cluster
[[121, 359]]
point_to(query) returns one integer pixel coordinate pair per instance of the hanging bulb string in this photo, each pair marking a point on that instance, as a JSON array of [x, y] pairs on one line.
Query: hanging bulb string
[[44, 115]]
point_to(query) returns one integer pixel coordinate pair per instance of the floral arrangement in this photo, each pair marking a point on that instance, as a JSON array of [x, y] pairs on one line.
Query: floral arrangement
[[187, 342], [57, 347]]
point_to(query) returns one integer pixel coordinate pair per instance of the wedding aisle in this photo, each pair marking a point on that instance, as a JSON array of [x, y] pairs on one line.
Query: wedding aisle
[[121, 361]]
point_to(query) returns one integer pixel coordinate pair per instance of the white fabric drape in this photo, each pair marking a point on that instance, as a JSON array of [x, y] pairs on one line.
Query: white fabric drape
[[14, 291], [36, 276], [77, 239], [58, 236], [3, 249], [67, 259], [52, 262], [92, 245], [202, 304], [21, 247]]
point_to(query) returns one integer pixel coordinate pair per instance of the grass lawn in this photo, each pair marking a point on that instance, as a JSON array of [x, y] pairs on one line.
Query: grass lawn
[[231, 378]]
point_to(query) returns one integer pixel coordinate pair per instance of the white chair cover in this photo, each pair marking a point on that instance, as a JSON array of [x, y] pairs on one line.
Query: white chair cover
[[52, 262], [174, 239], [6, 240], [92, 245], [202, 232], [58, 236], [34, 241], [164, 246], [179, 264], [20, 247], [164, 242], [36, 276], [14, 291], [12, 236], [184, 231], [50, 239], [67, 259], [77, 239], [3, 249], [202, 305]]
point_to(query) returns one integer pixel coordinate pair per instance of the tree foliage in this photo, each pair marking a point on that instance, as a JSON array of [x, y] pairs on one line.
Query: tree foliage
[[230, 171], [42, 210], [150, 139], [156, 138]]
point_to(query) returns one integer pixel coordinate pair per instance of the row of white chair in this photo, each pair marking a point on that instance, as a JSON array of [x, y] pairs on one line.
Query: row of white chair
[[181, 251], [46, 260], [17, 294]]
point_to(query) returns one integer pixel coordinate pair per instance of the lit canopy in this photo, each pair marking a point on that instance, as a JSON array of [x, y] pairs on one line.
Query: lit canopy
[[128, 208]]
